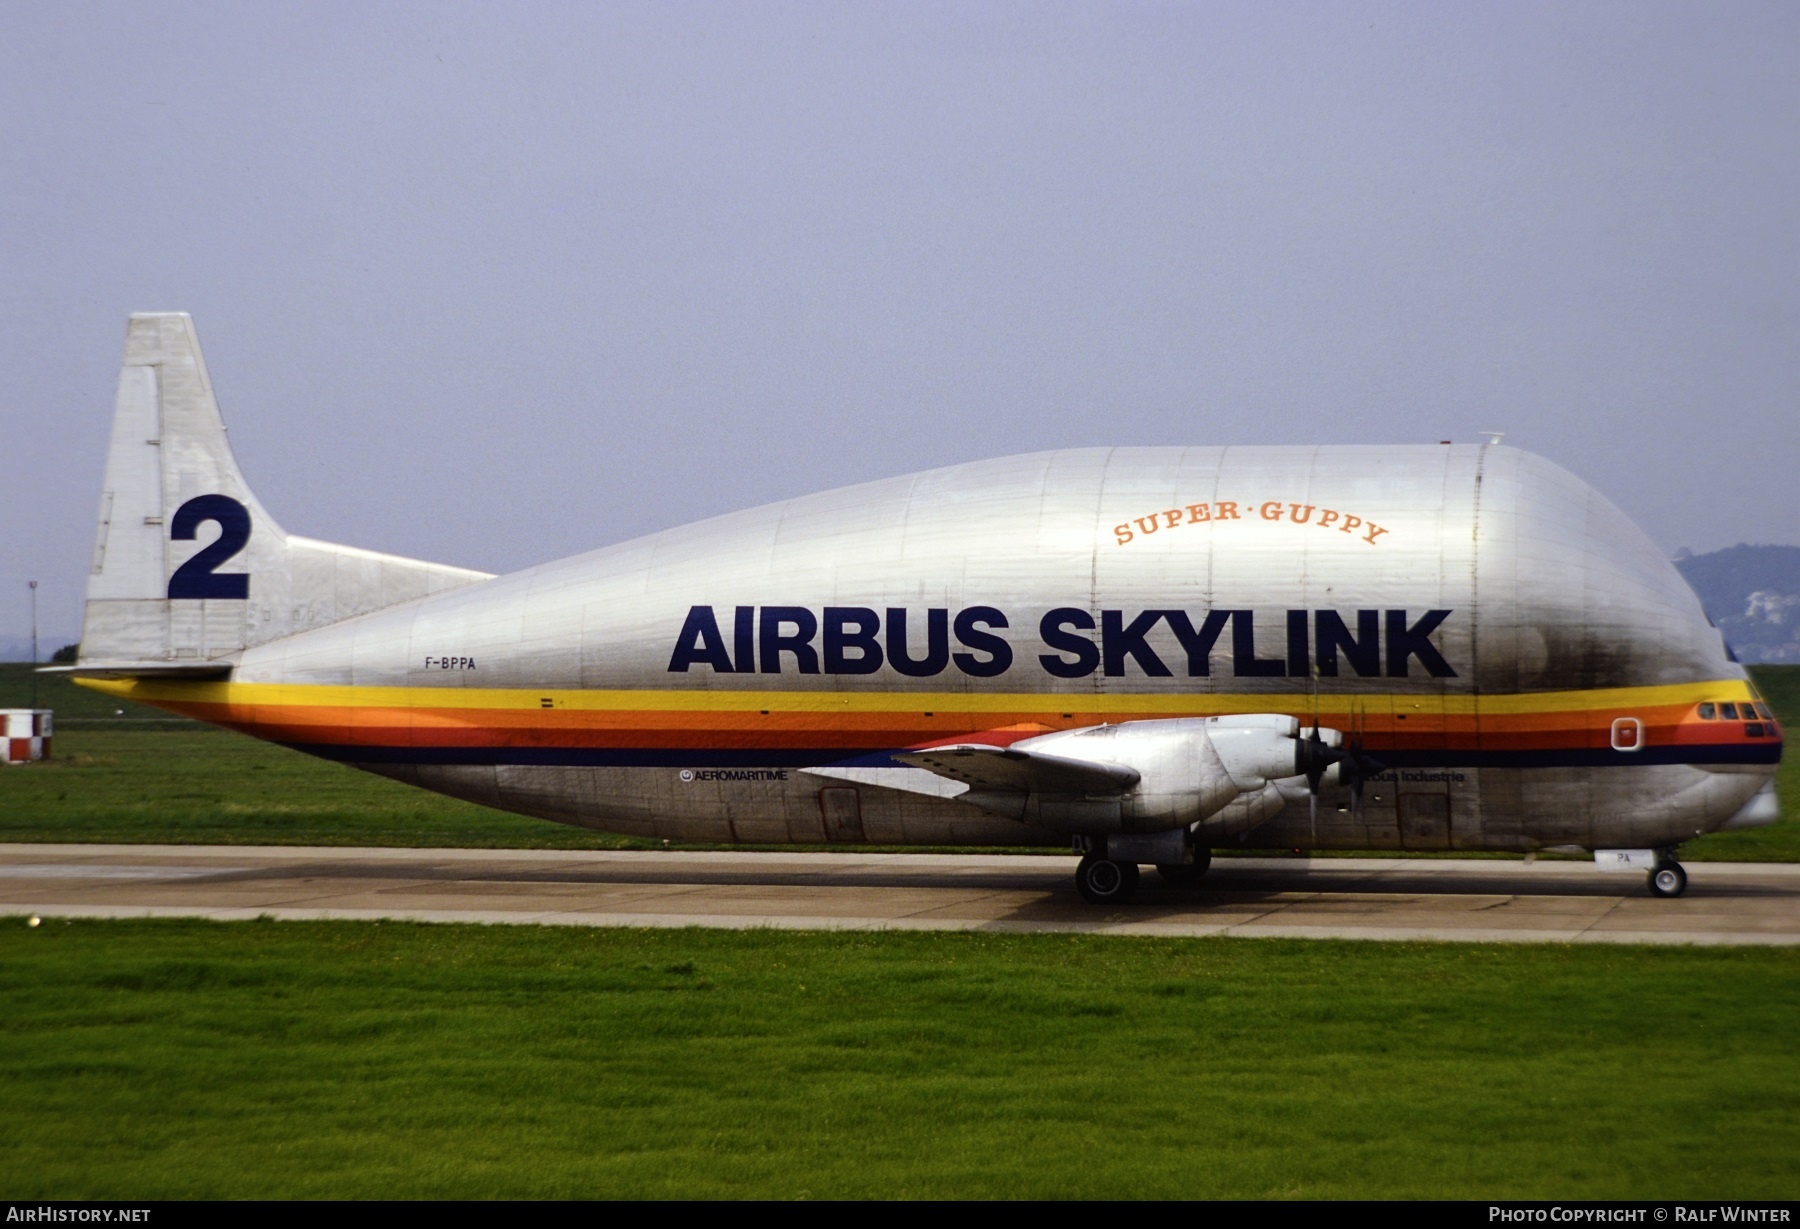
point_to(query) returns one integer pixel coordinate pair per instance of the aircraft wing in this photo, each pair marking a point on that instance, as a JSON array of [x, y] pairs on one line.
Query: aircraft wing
[[1010, 770], [906, 780]]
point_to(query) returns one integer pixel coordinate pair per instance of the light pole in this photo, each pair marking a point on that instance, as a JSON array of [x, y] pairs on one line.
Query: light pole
[[34, 646]]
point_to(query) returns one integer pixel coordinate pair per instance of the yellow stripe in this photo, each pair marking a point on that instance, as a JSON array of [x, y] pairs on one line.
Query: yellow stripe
[[304, 696]]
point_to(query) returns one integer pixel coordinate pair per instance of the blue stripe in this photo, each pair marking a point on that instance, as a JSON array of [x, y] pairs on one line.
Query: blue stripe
[[1586, 757]]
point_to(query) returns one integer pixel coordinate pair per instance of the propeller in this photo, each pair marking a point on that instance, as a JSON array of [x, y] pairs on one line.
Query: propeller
[[1314, 757], [1312, 754], [1359, 767]]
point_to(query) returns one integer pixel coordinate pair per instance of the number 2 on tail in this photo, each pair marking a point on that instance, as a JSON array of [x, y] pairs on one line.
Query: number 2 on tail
[[196, 577]]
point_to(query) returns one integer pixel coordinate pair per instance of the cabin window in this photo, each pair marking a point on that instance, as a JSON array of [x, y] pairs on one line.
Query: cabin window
[[1707, 712], [1728, 711]]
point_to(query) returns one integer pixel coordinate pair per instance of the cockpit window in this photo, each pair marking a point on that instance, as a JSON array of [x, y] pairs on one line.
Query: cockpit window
[[1706, 712], [1728, 711], [1764, 710]]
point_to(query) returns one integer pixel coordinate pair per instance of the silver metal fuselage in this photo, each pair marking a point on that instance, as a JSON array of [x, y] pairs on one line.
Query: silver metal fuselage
[[1523, 661]]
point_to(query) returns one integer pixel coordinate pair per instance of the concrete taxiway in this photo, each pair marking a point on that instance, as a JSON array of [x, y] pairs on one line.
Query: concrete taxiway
[[1367, 898]]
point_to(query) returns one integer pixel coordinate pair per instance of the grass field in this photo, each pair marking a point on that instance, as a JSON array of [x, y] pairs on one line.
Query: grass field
[[178, 1059], [200, 1060], [124, 773]]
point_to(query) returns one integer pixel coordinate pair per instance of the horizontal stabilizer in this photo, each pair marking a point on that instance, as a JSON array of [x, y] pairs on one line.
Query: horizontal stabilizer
[[143, 669], [1010, 770]]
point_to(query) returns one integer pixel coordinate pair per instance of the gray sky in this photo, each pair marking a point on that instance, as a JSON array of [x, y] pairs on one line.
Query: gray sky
[[493, 284]]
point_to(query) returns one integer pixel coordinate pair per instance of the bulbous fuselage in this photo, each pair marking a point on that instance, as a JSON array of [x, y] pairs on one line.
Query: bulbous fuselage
[[1524, 664]]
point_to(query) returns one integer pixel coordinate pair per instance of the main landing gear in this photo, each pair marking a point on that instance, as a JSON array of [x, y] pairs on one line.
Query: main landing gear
[[1185, 874], [1103, 881], [1668, 879]]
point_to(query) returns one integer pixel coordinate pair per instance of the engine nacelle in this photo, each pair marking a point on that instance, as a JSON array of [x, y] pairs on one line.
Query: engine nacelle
[[1190, 770]]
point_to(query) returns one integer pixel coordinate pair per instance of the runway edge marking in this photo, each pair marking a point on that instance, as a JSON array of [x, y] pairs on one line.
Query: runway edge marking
[[650, 921]]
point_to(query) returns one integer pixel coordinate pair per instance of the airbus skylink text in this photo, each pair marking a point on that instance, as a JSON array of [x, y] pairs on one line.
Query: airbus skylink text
[[860, 639]]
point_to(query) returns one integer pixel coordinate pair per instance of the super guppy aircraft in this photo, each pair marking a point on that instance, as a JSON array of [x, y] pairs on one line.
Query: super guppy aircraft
[[1150, 653]]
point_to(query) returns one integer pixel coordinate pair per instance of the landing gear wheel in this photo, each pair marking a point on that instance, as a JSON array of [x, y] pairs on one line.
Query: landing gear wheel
[[1668, 879], [1185, 874], [1102, 882]]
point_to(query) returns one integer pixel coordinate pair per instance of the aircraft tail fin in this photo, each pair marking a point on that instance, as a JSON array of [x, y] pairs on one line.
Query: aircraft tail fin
[[188, 566]]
